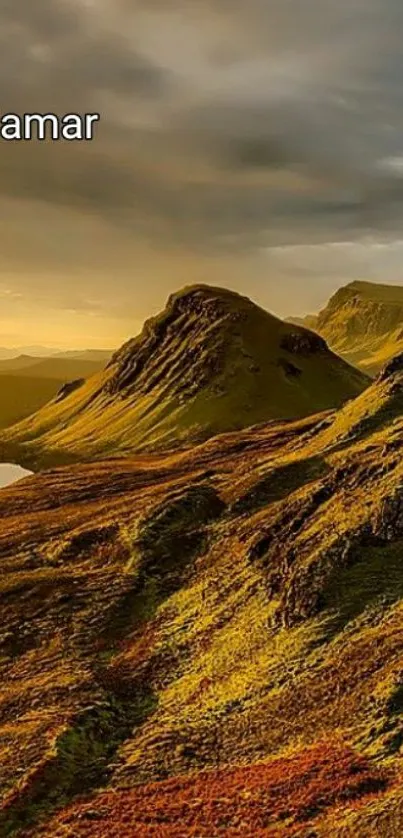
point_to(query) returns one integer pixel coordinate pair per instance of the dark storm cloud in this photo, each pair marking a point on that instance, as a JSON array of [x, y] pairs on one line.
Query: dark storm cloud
[[56, 51], [219, 120], [44, 18]]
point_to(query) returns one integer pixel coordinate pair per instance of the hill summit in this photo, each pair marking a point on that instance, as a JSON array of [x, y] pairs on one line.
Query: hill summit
[[212, 361], [363, 322]]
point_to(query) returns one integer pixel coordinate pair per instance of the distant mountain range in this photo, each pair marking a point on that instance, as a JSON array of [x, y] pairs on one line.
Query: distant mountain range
[[7, 353], [59, 367], [46, 352], [97, 355], [211, 362], [362, 322]]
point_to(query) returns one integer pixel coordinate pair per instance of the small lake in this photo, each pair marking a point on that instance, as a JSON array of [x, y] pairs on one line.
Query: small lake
[[10, 473]]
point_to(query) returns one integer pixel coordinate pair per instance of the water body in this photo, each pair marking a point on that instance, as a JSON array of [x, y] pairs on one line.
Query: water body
[[10, 473]]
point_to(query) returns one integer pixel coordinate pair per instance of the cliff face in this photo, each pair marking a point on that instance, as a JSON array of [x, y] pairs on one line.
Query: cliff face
[[211, 362], [364, 323], [184, 347]]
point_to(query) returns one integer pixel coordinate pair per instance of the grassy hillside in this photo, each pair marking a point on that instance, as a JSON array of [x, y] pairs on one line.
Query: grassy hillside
[[209, 642], [363, 322], [212, 361]]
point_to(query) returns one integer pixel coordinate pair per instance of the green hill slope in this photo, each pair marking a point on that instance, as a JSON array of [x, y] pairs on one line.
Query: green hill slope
[[212, 361], [363, 322]]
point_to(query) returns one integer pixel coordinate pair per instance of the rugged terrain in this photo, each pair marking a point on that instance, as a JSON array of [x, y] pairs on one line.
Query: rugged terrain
[[209, 642], [212, 361], [363, 322]]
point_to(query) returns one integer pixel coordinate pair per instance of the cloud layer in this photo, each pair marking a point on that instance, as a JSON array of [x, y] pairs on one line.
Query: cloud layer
[[227, 127]]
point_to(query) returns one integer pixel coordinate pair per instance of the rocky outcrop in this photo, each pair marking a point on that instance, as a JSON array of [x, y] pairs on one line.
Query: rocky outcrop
[[304, 547], [184, 346], [303, 343], [393, 367], [69, 388]]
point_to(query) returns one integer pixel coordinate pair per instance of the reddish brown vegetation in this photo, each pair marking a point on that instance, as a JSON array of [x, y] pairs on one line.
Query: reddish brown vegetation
[[247, 802]]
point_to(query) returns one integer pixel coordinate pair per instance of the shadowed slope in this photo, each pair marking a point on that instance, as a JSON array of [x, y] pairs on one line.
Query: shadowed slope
[[22, 395], [27, 383]]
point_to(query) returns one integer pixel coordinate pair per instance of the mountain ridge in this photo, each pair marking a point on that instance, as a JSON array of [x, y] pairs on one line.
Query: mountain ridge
[[363, 322]]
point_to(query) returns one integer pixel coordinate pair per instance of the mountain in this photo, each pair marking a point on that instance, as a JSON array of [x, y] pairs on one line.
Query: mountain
[[61, 368], [209, 642], [98, 355], [309, 321], [212, 361], [7, 354], [363, 322]]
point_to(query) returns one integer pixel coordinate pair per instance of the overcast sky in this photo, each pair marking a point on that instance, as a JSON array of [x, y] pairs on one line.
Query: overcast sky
[[257, 145]]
